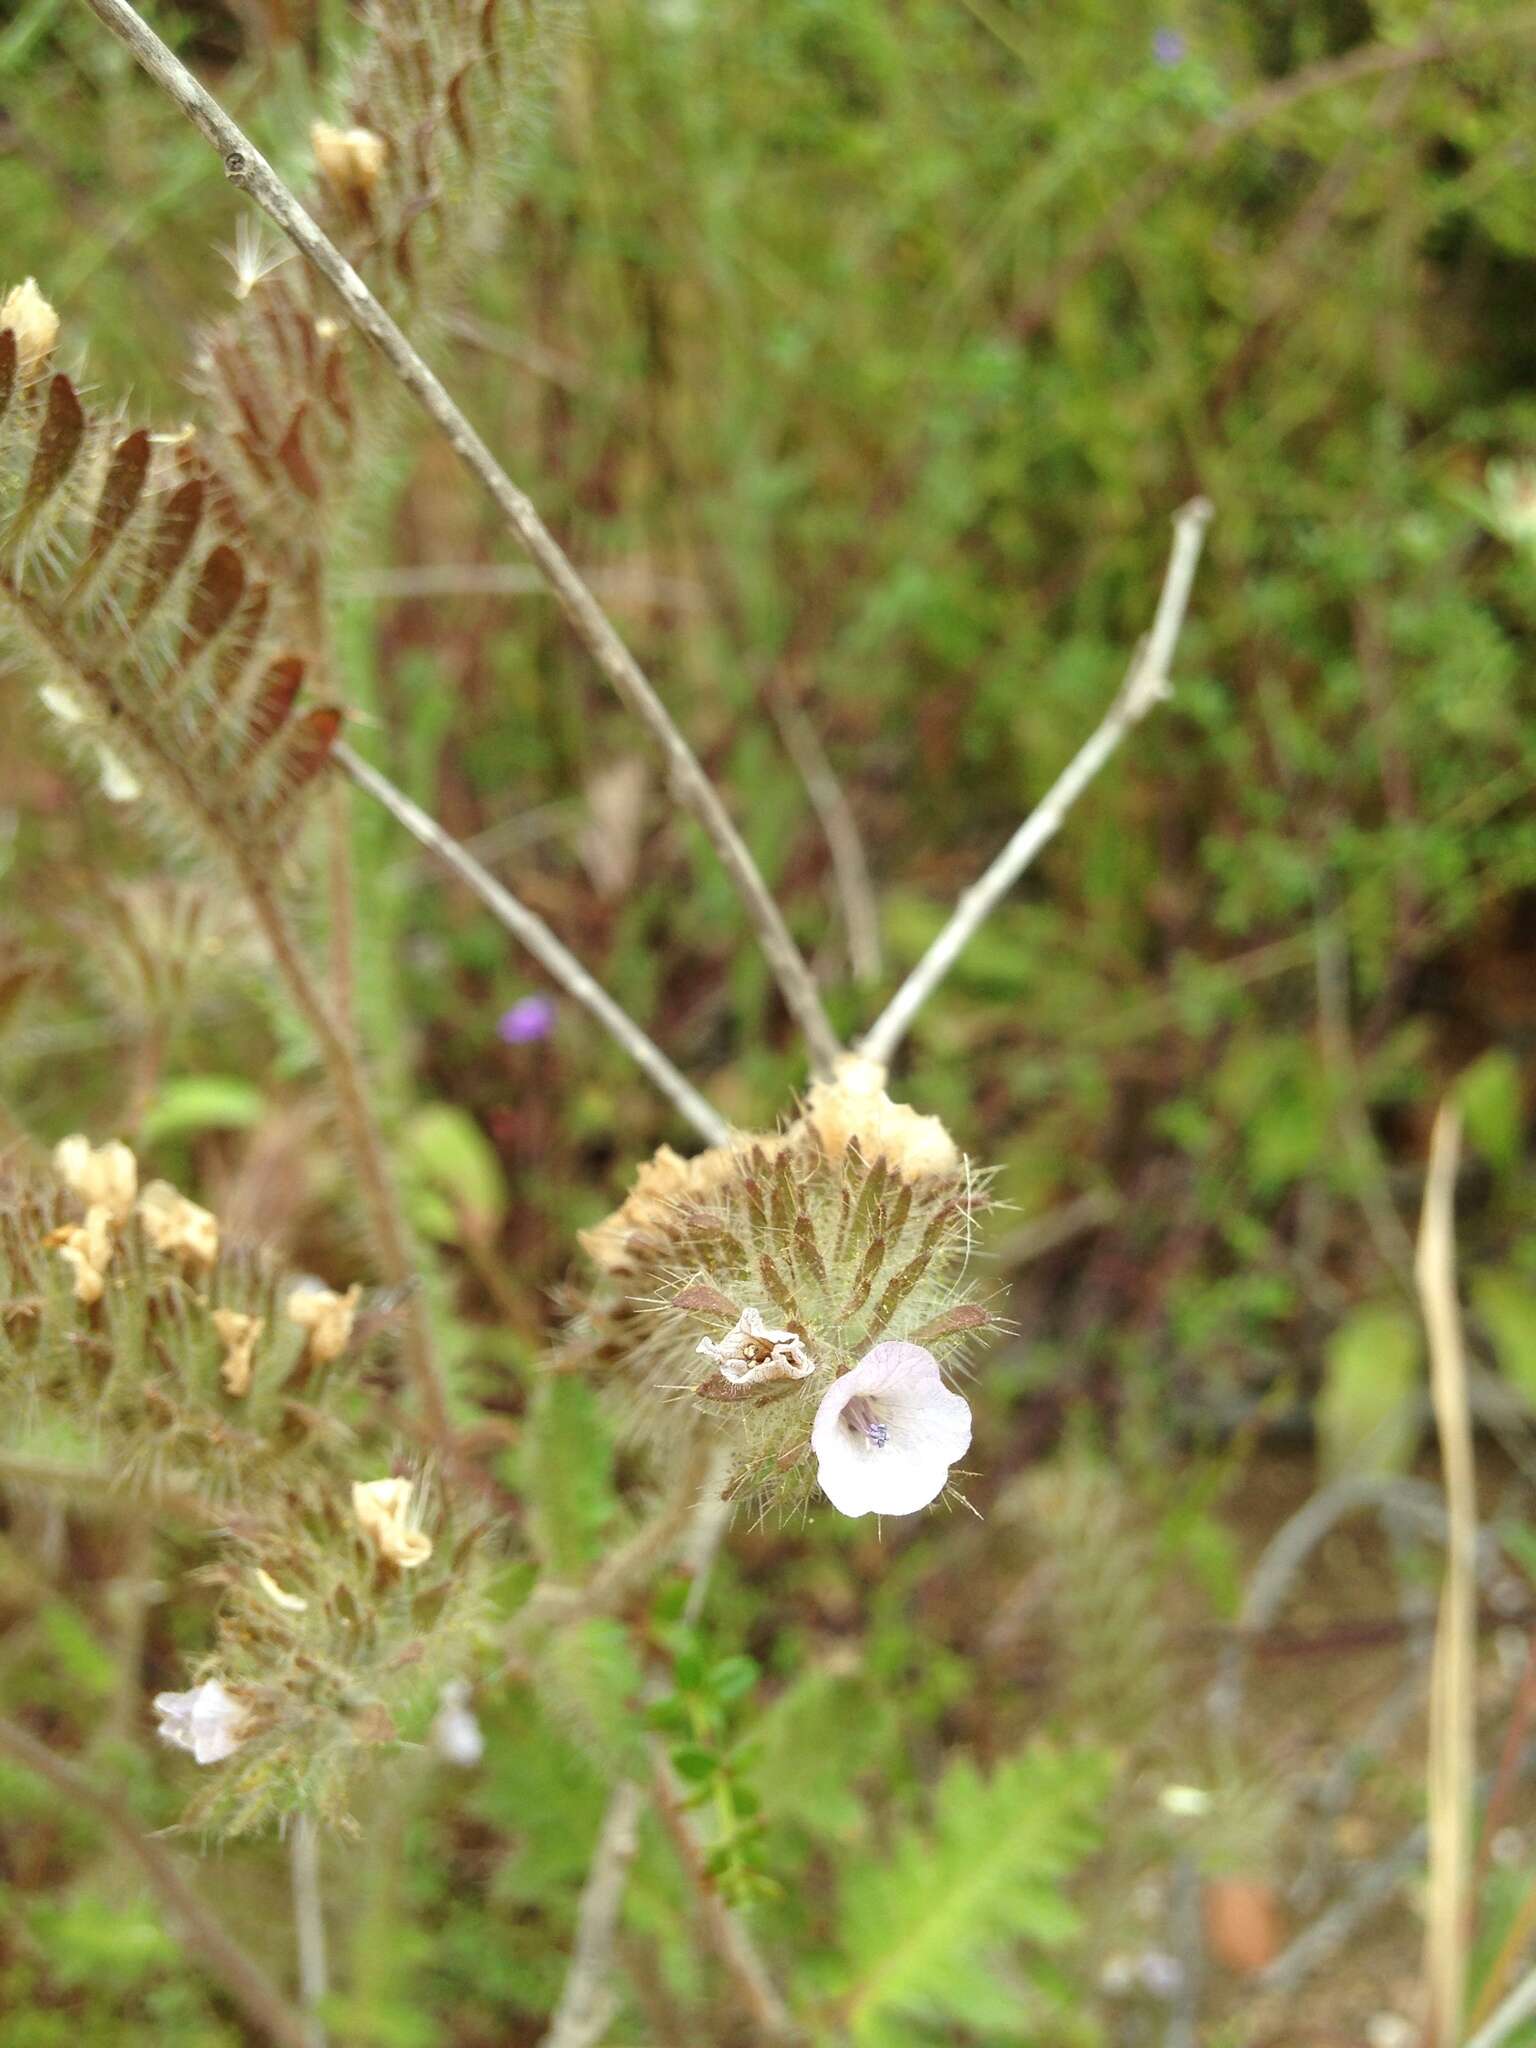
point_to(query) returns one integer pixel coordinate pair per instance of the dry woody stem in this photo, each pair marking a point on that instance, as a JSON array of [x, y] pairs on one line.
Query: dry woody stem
[[1145, 686], [1452, 1698], [247, 168], [242, 1977], [532, 932]]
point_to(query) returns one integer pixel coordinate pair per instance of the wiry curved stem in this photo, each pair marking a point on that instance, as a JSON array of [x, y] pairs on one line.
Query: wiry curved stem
[[246, 167], [1145, 686]]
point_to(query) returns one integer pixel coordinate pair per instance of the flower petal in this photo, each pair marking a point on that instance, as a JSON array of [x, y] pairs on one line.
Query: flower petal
[[927, 1428]]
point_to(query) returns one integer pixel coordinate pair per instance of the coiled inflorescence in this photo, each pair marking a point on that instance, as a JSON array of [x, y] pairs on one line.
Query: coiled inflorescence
[[742, 1285]]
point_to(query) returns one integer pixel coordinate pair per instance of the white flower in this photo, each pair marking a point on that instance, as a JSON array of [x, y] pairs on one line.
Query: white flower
[[887, 1433], [175, 1225], [327, 1316], [206, 1721], [752, 1353], [456, 1735], [382, 1507], [108, 1174]]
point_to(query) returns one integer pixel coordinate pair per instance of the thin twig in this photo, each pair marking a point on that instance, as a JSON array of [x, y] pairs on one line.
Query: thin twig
[[850, 869], [309, 1921], [727, 1936], [1452, 1701], [245, 167], [202, 1934], [1145, 686], [535, 934], [588, 2000]]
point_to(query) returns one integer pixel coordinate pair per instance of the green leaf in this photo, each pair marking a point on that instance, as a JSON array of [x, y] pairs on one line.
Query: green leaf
[[201, 1102], [1367, 1413], [1506, 1307], [567, 1467], [453, 1175], [921, 1918], [1488, 1094]]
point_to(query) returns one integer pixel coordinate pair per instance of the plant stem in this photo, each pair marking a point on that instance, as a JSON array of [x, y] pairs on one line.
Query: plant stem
[[397, 1267], [309, 1921], [245, 167], [1145, 686], [242, 1977], [531, 930]]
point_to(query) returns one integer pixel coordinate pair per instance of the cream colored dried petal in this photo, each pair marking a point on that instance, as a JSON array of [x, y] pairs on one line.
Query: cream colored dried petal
[[663, 1185], [382, 1507], [33, 322], [105, 1174], [87, 1249], [290, 1603], [238, 1334], [176, 1226], [328, 1318], [351, 160], [853, 1107]]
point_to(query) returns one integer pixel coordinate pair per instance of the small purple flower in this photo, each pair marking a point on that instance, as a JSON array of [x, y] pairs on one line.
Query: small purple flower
[[1168, 48], [529, 1019]]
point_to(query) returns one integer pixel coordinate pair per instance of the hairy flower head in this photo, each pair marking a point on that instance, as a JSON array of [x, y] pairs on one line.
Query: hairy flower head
[[744, 1285]]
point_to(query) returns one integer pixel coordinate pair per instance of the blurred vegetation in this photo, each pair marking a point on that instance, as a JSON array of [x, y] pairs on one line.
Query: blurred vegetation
[[862, 352]]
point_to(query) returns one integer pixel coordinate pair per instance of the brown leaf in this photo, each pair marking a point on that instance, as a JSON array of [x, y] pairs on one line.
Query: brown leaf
[[58, 443], [174, 535]]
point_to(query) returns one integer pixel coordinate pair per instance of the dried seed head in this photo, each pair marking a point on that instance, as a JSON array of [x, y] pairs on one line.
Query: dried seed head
[[33, 322]]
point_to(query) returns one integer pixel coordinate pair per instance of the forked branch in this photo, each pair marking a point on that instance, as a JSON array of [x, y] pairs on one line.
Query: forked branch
[[246, 167], [1145, 685]]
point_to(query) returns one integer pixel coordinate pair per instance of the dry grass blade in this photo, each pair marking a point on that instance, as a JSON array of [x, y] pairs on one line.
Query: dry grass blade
[[1452, 1758]]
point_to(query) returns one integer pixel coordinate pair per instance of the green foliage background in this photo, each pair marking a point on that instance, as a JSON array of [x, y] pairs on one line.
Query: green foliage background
[[866, 350]]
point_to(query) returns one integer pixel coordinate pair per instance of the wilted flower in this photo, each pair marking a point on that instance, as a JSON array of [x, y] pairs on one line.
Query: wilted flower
[[381, 1507], [327, 1316], [751, 1354], [33, 322], [207, 1722], [456, 1735], [853, 1108], [238, 1334], [529, 1019], [887, 1433], [87, 1247], [119, 784], [350, 159], [104, 1174], [662, 1186], [290, 1603], [175, 1225]]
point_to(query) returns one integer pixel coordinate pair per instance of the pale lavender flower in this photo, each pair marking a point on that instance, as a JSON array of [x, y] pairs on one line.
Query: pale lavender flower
[[207, 1722], [1168, 48], [887, 1433], [529, 1019]]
